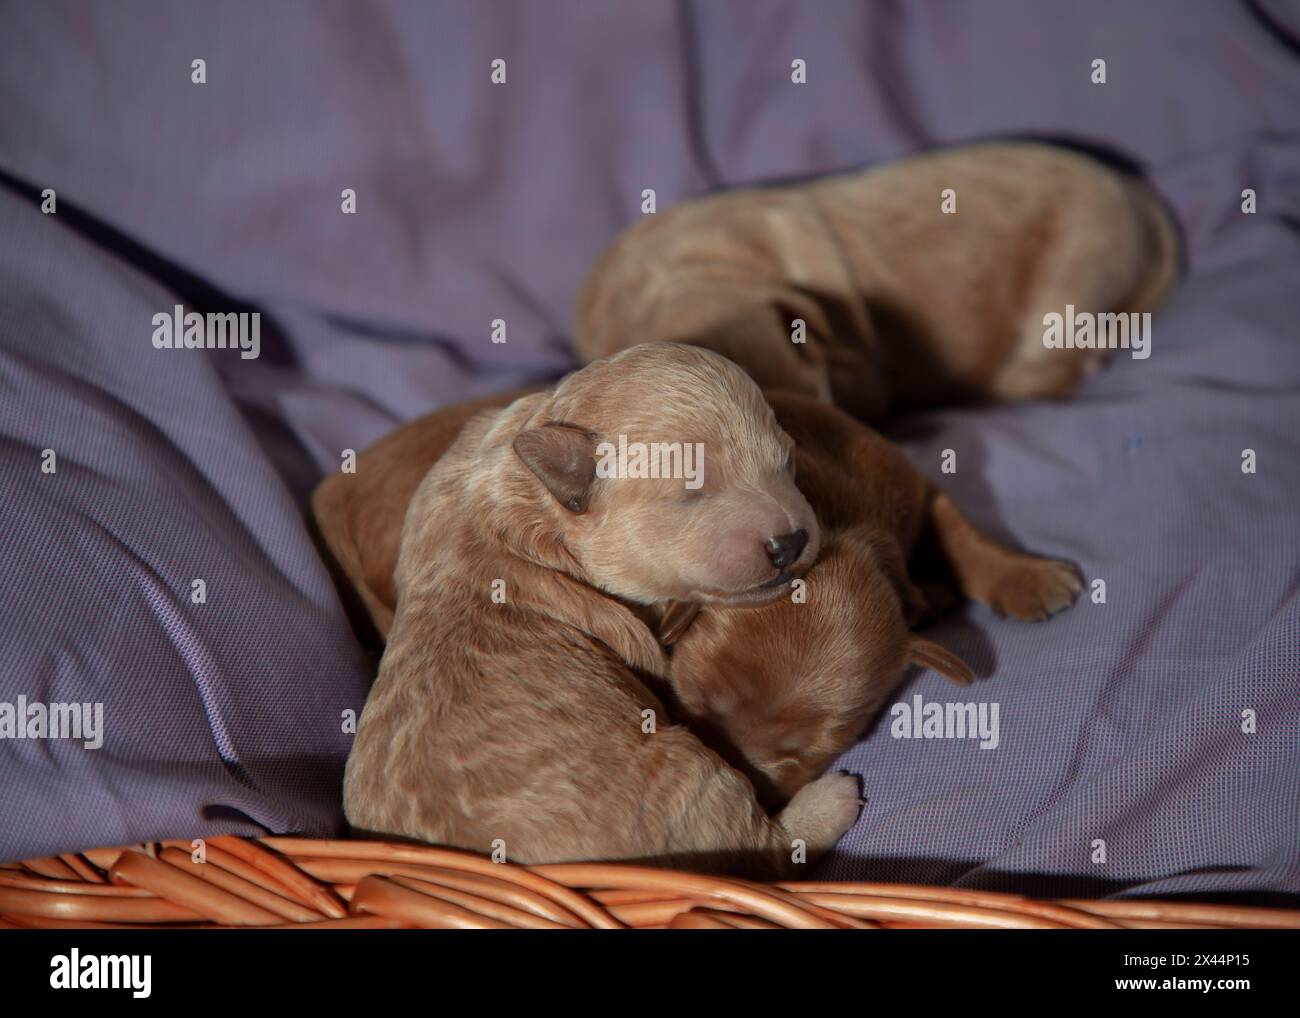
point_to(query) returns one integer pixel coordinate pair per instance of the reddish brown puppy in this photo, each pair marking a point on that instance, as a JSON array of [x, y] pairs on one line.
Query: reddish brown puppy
[[783, 689]]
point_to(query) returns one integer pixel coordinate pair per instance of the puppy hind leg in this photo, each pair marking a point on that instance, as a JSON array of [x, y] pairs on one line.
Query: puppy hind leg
[[1034, 370], [1094, 259], [1012, 583], [1041, 373]]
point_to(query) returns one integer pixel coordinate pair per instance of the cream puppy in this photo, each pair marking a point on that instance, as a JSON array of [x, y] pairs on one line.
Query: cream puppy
[[515, 701]]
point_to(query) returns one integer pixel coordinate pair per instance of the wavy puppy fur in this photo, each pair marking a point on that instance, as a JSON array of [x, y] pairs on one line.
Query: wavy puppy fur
[[780, 690], [523, 720], [359, 515]]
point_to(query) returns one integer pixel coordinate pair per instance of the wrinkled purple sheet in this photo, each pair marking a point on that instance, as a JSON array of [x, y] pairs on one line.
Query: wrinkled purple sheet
[[1119, 723]]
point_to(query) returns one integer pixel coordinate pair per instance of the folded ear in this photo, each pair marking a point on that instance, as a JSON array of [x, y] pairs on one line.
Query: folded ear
[[677, 618], [563, 457], [929, 654]]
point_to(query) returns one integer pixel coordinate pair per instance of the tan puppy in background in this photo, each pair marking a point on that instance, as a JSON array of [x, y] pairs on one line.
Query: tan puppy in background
[[521, 717], [903, 305], [779, 690]]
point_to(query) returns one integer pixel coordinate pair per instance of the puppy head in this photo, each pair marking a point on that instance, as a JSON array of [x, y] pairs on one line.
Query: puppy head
[[669, 479], [783, 689]]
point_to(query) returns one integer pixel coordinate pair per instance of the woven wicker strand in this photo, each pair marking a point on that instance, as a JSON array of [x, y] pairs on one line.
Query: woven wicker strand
[[303, 883]]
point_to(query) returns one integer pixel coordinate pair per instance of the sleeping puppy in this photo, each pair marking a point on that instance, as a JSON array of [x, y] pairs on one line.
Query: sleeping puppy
[[513, 705], [903, 305], [781, 690]]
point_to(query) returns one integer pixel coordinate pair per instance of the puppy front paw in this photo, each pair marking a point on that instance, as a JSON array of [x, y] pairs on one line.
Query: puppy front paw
[[1031, 588], [821, 812]]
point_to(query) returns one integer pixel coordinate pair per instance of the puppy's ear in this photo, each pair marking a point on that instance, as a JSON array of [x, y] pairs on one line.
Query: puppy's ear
[[929, 654], [677, 618], [564, 459]]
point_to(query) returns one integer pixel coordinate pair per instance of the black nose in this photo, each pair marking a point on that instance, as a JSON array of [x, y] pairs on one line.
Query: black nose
[[785, 549]]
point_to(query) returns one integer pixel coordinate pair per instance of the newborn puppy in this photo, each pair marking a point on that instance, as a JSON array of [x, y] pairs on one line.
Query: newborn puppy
[[903, 304], [512, 706], [782, 690]]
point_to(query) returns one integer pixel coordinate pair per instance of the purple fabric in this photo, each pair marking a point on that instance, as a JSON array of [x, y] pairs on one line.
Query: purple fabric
[[1119, 722], [219, 716]]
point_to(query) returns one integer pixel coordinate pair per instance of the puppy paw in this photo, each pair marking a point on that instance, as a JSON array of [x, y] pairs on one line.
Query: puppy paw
[[821, 812], [1032, 589]]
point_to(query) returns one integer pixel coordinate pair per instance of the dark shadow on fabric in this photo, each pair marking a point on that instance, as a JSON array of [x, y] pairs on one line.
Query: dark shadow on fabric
[[280, 446], [196, 293]]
